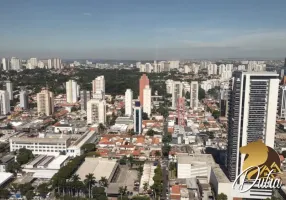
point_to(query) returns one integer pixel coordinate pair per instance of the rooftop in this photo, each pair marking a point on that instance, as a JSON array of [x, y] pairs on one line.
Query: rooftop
[[4, 176], [220, 175], [193, 158], [100, 167]]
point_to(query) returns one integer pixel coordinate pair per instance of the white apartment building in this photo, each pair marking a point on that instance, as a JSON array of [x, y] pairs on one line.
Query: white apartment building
[[177, 92], [98, 85], [241, 67], [72, 91], [252, 114], [50, 66], [169, 86], [15, 64], [5, 64], [256, 66], [212, 69], [4, 102], [45, 102], [24, 101], [138, 64], [96, 111], [282, 102], [128, 102], [194, 68], [209, 84], [147, 100], [9, 88], [33, 62], [41, 64], [187, 69], [57, 63], [194, 95], [174, 64]]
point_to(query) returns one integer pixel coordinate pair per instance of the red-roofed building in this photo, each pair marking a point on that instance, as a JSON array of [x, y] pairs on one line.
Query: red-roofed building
[[175, 192]]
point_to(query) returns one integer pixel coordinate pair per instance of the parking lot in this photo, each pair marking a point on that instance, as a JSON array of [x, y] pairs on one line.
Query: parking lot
[[127, 178]]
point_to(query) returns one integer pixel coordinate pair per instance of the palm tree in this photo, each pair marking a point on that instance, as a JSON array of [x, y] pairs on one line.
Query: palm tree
[[89, 181], [131, 161], [103, 181], [122, 191], [75, 180]]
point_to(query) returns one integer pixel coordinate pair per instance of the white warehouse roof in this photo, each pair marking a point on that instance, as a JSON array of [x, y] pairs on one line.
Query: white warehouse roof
[[5, 176], [57, 162]]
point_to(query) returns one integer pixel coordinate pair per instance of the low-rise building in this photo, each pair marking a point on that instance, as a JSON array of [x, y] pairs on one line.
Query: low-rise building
[[52, 144], [4, 161]]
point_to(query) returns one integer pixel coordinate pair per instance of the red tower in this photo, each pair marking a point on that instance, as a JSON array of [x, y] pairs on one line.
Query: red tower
[[181, 111], [142, 84]]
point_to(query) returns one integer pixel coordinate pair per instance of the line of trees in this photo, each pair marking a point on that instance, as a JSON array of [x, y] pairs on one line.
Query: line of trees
[[157, 187], [88, 188]]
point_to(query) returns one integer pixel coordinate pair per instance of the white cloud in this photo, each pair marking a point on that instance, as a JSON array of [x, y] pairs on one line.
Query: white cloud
[[87, 14]]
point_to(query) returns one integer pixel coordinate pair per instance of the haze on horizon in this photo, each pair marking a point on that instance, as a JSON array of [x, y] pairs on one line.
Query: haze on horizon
[[143, 30]]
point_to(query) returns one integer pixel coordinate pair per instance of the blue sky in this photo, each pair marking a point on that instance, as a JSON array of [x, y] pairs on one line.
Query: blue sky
[[149, 29]]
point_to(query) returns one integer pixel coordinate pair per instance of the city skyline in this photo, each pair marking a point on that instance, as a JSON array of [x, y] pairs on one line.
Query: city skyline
[[143, 30]]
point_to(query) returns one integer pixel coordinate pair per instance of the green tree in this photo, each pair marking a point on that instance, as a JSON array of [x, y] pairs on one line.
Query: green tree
[[13, 167], [75, 183], [101, 128], [88, 147], [202, 93], [30, 195], [140, 198], [4, 193], [24, 156], [211, 135], [187, 95], [131, 161], [24, 188], [43, 190], [99, 193], [216, 114], [122, 190], [163, 111], [89, 181], [145, 116], [165, 149], [150, 132], [103, 182], [221, 196], [157, 153], [158, 181], [167, 138]]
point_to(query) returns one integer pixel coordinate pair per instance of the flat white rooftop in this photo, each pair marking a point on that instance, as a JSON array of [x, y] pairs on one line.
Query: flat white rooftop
[[57, 161], [44, 174], [100, 167], [5, 176]]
